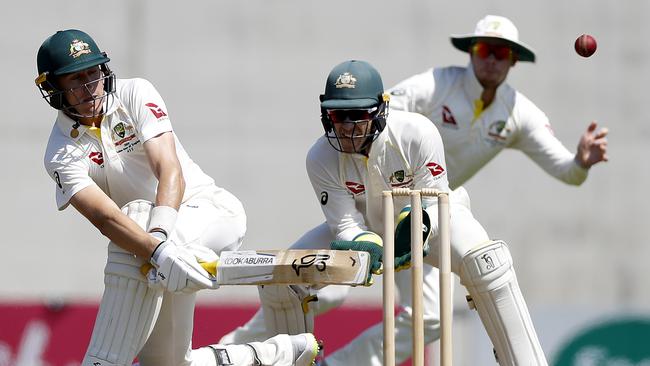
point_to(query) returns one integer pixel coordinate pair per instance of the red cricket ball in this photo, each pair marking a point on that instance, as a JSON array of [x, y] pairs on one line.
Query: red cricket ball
[[585, 45]]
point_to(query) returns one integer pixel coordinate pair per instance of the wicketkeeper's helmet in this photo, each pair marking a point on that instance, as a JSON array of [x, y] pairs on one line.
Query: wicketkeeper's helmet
[[355, 92]]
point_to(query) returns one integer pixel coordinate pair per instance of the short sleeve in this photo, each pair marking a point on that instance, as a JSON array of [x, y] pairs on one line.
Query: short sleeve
[[148, 108], [69, 173]]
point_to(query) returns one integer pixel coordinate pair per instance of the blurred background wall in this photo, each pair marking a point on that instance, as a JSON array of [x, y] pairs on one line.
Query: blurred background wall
[[241, 81]]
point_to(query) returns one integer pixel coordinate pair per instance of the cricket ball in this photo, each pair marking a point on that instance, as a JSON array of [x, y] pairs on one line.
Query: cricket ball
[[585, 45]]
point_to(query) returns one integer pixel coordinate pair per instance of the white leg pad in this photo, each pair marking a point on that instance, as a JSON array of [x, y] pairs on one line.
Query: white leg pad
[[126, 317], [489, 277], [129, 308], [287, 309]]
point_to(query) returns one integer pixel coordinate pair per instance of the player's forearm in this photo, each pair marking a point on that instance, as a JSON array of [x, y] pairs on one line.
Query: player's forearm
[[128, 235], [104, 214]]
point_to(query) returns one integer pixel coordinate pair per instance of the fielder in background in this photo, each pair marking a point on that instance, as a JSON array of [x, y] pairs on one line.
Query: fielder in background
[[367, 149], [478, 114], [113, 146]]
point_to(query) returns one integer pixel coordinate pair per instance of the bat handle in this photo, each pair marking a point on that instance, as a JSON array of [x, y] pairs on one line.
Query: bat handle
[[210, 267]]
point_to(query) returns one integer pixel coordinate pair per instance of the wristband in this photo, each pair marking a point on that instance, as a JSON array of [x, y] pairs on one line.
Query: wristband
[[156, 252], [159, 235], [163, 219]]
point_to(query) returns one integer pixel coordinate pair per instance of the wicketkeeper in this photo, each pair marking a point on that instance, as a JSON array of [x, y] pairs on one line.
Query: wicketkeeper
[[113, 146], [368, 148]]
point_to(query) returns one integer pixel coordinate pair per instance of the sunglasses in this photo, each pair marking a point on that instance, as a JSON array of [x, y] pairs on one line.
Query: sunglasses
[[351, 115], [484, 50]]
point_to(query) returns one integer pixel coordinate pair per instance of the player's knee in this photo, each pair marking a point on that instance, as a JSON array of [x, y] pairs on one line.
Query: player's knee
[[487, 266], [278, 295], [331, 297]]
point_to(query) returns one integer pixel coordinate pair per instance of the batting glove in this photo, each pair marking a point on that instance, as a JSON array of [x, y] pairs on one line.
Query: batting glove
[[366, 242], [177, 270]]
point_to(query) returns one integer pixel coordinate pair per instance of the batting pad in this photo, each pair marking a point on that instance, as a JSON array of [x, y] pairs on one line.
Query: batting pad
[[489, 277], [286, 309], [129, 308], [126, 317]]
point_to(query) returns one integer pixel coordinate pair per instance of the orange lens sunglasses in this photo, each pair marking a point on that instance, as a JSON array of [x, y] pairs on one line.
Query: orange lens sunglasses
[[500, 52]]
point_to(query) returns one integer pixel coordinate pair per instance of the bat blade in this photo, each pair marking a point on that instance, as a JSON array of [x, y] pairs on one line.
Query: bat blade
[[293, 266]]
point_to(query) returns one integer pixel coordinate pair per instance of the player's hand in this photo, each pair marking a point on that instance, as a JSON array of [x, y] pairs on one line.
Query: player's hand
[[366, 242], [403, 237], [592, 147], [178, 270]]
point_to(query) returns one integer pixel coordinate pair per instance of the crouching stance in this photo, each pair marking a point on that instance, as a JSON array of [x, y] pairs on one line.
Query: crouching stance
[[112, 146], [365, 151]]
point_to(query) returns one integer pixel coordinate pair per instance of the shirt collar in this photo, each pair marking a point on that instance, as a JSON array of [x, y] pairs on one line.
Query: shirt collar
[[67, 125]]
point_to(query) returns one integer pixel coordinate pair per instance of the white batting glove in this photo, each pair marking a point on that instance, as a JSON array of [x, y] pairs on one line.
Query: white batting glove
[[177, 270]]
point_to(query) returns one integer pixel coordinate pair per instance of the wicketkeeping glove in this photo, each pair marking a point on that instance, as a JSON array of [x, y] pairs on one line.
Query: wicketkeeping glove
[[367, 242], [403, 237], [177, 270]]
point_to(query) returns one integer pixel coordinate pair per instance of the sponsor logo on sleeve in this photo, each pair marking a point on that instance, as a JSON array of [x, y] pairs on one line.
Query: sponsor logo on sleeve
[[548, 126], [435, 169], [323, 198], [157, 111], [57, 179], [355, 188]]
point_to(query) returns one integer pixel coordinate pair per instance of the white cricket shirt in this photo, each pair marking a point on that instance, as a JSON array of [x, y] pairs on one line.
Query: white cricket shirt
[[407, 154], [472, 137], [118, 163]]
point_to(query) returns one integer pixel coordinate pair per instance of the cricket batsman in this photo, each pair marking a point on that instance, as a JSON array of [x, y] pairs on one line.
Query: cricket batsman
[[112, 145]]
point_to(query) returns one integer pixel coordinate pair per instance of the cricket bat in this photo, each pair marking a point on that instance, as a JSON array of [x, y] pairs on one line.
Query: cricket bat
[[293, 266], [289, 267]]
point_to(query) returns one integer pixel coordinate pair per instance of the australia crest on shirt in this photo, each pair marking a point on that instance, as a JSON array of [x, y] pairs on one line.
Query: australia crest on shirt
[[400, 179], [124, 137], [497, 132]]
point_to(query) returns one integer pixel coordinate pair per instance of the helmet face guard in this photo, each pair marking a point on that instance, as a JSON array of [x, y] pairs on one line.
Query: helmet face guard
[[56, 96], [354, 130]]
